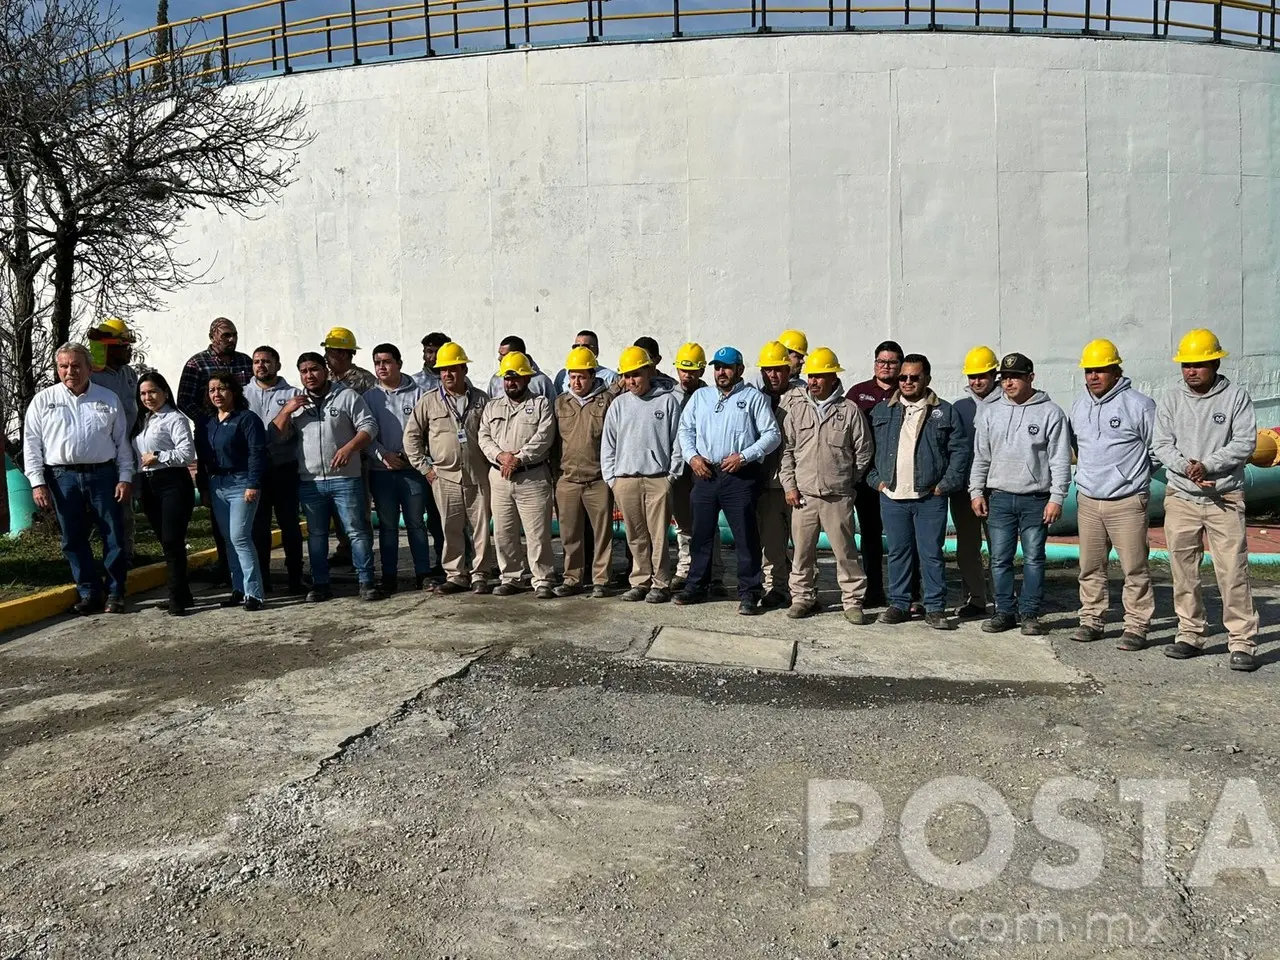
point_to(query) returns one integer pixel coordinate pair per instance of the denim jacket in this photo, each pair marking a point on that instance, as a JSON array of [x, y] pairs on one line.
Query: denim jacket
[[942, 453]]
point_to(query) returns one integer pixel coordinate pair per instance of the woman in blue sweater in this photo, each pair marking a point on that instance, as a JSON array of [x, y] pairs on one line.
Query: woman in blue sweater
[[232, 445]]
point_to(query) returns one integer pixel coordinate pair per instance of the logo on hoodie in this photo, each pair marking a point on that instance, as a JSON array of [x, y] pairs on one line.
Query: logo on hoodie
[[407, 409], [1219, 418], [1115, 422], [1033, 429], [659, 414], [742, 404]]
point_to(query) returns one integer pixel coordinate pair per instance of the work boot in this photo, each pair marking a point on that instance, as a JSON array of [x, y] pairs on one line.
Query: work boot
[[658, 595], [568, 590], [1086, 634], [505, 590], [855, 615], [939, 621], [749, 607], [774, 599], [677, 584], [369, 593], [544, 592], [599, 591], [1032, 627], [234, 600], [114, 605], [718, 590], [972, 611], [319, 593], [635, 594], [1181, 650], [252, 604], [449, 587], [893, 615], [1000, 623], [689, 596], [1243, 660], [1130, 641], [481, 587], [177, 607], [88, 605], [798, 611]]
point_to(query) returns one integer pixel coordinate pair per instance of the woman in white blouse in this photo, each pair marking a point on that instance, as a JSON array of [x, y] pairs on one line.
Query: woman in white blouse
[[163, 443]]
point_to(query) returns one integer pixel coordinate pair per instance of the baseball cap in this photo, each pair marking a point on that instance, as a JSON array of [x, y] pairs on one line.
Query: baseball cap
[[1017, 363], [727, 357]]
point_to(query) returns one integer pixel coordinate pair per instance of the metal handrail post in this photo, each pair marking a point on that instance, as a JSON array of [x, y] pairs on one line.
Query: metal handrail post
[[128, 74], [355, 37], [226, 52], [1217, 22], [675, 14], [426, 19], [284, 37], [506, 24]]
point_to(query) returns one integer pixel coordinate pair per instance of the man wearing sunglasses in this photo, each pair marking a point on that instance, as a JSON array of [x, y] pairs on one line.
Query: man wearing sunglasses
[[921, 456], [866, 503], [1021, 471]]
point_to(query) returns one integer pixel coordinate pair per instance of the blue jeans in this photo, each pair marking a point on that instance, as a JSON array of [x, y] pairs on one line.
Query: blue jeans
[[344, 496], [916, 530], [1014, 516], [397, 492], [75, 495], [235, 519], [736, 495]]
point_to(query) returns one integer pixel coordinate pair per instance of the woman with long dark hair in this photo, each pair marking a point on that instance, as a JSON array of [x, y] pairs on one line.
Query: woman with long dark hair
[[164, 447], [233, 447]]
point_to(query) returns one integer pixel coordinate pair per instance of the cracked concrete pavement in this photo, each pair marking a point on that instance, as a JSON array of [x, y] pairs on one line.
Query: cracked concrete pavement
[[484, 777]]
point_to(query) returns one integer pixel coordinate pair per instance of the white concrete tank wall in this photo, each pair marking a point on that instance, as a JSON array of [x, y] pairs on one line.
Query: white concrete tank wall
[[943, 190]]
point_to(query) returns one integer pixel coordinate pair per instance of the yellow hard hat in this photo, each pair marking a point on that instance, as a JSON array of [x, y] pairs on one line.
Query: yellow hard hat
[[451, 355], [980, 360], [691, 357], [774, 354], [340, 338], [633, 359], [113, 328], [822, 360], [1099, 353], [581, 358], [516, 363], [794, 340], [1199, 346]]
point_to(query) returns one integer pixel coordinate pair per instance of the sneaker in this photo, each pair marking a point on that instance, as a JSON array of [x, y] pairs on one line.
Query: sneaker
[[635, 594], [689, 596], [87, 605], [480, 587], [368, 592], [658, 595], [390, 585], [718, 590], [1131, 641], [939, 621], [1000, 623], [505, 590], [893, 615], [1086, 634], [774, 599], [114, 605], [252, 604], [1243, 660], [568, 590], [971, 611], [544, 592], [855, 615], [599, 591], [1032, 627], [798, 611], [678, 584], [749, 607], [234, 600], [1181, 650], [319, 593], [449, 587]]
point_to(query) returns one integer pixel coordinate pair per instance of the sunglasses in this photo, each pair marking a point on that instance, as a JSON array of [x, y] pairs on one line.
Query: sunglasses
[[910, 377]]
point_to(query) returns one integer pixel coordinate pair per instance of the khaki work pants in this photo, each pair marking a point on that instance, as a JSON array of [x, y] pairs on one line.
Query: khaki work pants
[[1122, 523], [834, 516], [682, 516], [645, 503], [592, 502], [1188, 524], [464, 514], [970, 530], [523, 501], [773, 517]]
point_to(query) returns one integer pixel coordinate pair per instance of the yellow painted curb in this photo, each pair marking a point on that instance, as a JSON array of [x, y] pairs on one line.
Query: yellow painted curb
[[58, 600]]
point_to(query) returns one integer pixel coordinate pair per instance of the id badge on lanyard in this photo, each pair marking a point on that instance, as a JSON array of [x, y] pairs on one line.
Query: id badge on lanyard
[[460, 419]]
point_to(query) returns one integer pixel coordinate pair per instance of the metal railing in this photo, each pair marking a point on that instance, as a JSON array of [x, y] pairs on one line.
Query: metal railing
[[280, 36]]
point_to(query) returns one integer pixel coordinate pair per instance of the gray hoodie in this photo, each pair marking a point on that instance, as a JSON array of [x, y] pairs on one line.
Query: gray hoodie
[[266, 403], [1217, 428], [391, 408], [642, 436], [327, 423], [1022, 448], [1112, 436]]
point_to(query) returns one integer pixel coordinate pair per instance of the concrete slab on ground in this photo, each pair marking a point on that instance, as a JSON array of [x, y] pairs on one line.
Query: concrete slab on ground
[[729, 649]]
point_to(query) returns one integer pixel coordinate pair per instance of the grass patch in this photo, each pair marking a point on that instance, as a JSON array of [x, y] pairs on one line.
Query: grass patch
[[34, 561]]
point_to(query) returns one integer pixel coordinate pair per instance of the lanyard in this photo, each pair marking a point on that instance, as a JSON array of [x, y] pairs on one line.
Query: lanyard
[[459, 418]]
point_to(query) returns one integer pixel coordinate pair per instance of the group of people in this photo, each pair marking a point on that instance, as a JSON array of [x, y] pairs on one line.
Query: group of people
[[784, 457]]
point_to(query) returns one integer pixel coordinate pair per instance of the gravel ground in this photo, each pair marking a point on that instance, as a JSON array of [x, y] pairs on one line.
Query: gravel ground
[[482, 778]]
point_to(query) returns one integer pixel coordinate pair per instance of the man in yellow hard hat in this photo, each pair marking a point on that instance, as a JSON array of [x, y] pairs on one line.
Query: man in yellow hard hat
[[540, 385], [691, 367], [339, 353], [583, 500], [1112, 425], [773, 513], [795, 346], [111, 345], [639, 457], [826, 450], [516, 435], [442, 442], [1204, 435], [980, 368], [588, 340]]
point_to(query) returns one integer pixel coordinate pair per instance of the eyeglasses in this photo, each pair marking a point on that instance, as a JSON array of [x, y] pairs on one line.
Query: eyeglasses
[[895, 362], [910, 377]]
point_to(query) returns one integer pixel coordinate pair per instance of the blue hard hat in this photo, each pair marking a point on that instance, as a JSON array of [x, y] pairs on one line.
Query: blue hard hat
[[727, 357]]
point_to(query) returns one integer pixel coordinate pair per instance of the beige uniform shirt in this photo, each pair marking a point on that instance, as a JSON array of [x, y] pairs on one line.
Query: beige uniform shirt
[[525, 427], [580, 426], [771, 466], [432, 441], [824, 451]]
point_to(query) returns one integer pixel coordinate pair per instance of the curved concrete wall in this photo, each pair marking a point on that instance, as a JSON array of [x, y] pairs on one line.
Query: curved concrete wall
[[943, 190]]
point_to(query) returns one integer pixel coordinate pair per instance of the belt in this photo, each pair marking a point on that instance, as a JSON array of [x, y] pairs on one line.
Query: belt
[[523, 468], [82, 467], [641, 476]]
